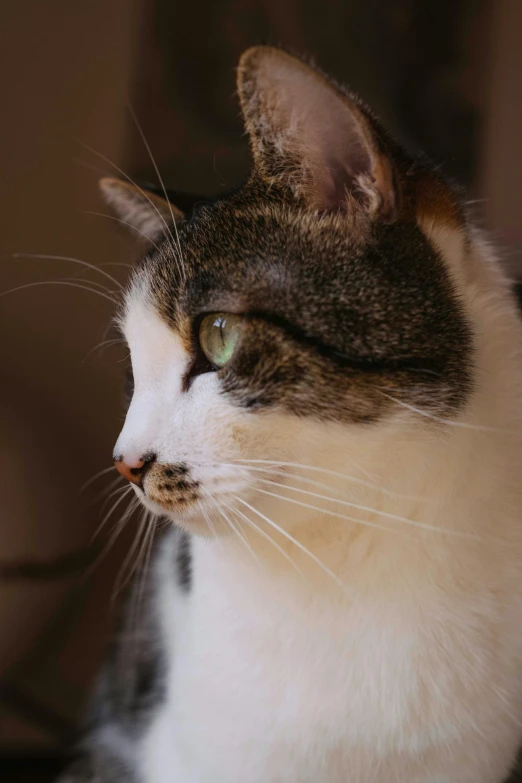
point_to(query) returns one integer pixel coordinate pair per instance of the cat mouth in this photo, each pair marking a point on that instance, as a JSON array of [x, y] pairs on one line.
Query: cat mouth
[[181, 490], [194, 513], [197, 505], [169, 487]]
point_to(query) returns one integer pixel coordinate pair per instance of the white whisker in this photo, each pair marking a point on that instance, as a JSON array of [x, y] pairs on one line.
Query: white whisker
[[239, 533], [80, 262], [135, 184], [90, 166], [367, 523], [96, 476], [326, 511], [441, 420], [142, 520], [92, 283], [59, 282], [104, 344], [112, 508], [112, 492], [294, 541], [370, 510], [133, 505], [116, 263], [123, 223], [265, 535], [316, 468], [280, 472], [142, 542], [209, 522], [156, 169], [151, 530]]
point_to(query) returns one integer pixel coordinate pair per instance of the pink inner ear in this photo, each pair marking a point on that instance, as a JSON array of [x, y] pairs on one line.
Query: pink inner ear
[[317, 127], [337, 177]]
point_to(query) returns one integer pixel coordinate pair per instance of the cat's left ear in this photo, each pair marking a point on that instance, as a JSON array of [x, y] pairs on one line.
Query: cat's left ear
[[147, 213], [309, 135]]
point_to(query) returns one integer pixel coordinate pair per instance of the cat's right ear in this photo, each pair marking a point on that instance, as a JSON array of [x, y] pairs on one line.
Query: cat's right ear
[[312, 137], [148, 214]]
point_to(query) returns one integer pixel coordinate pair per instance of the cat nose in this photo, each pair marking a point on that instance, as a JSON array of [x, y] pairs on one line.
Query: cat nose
[[133, 469]]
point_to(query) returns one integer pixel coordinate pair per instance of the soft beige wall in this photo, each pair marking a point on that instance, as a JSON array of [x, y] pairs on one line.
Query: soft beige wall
[[65, 70]]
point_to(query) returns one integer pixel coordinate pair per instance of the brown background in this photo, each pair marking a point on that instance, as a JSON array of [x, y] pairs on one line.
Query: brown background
[[445, 76]]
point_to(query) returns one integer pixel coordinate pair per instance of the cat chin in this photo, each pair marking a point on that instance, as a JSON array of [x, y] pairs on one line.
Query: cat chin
[[192, 522], [188, 516], [172, 511]]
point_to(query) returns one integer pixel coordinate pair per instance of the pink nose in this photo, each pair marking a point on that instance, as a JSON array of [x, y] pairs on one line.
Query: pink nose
[[132, 470]]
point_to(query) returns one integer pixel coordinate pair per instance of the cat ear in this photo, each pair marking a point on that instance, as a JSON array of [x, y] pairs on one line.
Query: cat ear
[[309, 135], [146, 212]]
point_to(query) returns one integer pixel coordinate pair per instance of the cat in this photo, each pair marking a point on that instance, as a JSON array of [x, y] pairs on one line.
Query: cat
[[327, 408]]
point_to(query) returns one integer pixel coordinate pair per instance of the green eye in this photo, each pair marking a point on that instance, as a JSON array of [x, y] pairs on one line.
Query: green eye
[[218, 336]]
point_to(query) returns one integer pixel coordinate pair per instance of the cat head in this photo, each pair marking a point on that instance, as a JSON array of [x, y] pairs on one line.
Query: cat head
[[296, 319]]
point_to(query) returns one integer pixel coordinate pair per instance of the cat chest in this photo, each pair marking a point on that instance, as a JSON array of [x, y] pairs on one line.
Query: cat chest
[[255, 681], [346, 673]]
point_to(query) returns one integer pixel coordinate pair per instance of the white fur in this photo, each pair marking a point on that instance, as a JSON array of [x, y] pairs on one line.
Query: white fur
[[410, 670]]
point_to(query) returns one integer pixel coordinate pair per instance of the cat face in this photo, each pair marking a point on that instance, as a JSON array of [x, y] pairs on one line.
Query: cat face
[[295, 319]]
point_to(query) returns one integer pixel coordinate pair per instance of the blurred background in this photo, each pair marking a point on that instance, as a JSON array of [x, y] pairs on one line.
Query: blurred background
[[445, 76]]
